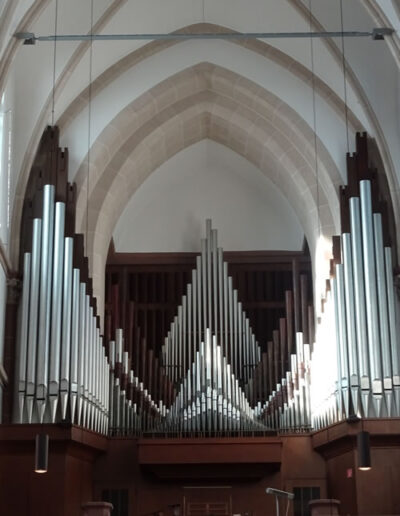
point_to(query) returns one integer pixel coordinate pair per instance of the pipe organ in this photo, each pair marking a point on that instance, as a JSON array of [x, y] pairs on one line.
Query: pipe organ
[[62, 362], [203, 370], [214, 376], [360, 306], [61, 368]]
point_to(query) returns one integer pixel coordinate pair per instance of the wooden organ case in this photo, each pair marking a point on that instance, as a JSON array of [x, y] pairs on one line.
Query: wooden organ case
[[196, 396]]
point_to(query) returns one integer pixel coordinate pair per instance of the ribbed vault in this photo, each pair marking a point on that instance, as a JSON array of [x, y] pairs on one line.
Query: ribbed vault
[[204, 101]]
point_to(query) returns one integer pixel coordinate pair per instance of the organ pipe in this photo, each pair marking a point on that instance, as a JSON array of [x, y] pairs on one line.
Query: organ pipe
[[46, 268], [219, 371], [33, 318], [371, 294], [61, 362]]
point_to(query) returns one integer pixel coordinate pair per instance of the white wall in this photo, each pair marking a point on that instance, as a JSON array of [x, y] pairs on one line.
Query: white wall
[[207, 180]]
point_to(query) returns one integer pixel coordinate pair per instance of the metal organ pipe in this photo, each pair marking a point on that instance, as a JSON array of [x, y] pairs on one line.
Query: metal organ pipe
[[61, 356], [383, 312], [23, 338], [360, 303], [46, 268], [67, 307], [343, 344], [371, 294], [215, 373], [56, 314], [33, 318], [392, 328], [350, 321]]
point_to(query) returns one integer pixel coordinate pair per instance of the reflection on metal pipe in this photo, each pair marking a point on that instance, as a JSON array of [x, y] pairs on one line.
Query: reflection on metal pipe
[[23, 349], [46, 269], [371, 294], [360, 310], [56, 306], [33, 318]]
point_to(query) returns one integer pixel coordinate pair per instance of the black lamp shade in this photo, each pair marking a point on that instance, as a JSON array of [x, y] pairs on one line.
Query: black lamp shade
[[363, 449], [41, 453]]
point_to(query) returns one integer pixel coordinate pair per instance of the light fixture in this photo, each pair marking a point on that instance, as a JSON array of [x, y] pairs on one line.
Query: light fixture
[[41, 453], [363, 451]]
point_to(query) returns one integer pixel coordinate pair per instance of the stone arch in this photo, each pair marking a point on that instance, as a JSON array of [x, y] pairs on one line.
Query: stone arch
[[212, 103]]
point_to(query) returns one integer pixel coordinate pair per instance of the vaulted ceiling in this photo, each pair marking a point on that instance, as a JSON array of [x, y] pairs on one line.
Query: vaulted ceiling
[[150, 101]]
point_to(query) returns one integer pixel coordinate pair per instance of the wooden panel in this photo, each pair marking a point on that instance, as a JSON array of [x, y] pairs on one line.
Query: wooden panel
[[210, 451]]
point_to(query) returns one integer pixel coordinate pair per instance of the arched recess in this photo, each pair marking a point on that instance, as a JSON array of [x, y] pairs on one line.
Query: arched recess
[[203, 101]]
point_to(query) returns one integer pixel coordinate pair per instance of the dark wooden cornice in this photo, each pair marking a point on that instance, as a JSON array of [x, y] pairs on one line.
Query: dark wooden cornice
[[232, 257]]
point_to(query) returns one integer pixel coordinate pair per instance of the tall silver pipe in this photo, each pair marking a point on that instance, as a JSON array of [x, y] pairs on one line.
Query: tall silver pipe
[[237, 350], [371, 294], [184, 336], [214, 382], [241, 345], [215, 300], [125, 370], [81, 352], [249, 341], [350, 321], [199, 298], [231, 326], [342, 337], [117, 406], [383, 312], [99, 376], [107, 399], [68, 307], [208, 365], [221, 299], [219, 388], [75, 336], [46, 269], [175, 349], [88, 327], [394, 347], [179, 345], [89, 369], [359, 297], [198, 391], [171, 360], [188, 321], [203, 283], [110, 397], [56, 312], [227, 350], [194, 312], [24, 350], [209, 275], [103, 384], [33, 317], [91, 372], [96, 374], [94, 378]]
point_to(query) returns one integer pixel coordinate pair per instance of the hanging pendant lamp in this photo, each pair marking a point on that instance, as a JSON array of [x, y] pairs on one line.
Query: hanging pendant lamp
[[363, 451], [41, 453]]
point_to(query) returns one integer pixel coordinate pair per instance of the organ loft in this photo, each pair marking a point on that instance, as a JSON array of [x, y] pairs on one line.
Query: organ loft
[[199, 258]]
